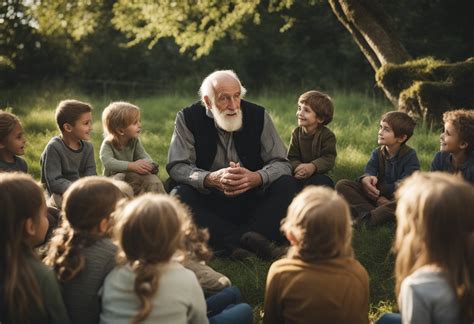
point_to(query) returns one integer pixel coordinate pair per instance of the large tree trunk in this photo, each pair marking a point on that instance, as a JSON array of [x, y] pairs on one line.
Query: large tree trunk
[[370, 28]]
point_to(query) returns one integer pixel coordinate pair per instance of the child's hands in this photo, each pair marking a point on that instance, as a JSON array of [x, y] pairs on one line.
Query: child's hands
[[141, 167], [382, 201], [304, 170], [369, 186]]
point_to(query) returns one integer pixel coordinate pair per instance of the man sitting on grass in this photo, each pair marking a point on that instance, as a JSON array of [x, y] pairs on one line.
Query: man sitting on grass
[[231, 168]]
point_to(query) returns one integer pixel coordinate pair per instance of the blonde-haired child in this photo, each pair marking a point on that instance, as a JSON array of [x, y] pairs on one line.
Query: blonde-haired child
[[312, 151], [122, 154], [12, 143], [151, 285], [81, 252], [457, 144], [434, 268], [29, 292], [320, 281]]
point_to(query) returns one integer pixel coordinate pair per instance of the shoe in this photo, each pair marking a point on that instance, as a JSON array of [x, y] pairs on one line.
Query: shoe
[[240, 254], [364, 220], [258, 244]]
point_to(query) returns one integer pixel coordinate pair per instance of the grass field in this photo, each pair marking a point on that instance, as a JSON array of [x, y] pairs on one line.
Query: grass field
[[355, 124]]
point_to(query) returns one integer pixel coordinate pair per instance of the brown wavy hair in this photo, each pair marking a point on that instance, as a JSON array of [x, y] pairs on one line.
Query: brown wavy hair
[[86, 203], [21, 198], [150, 233], [319, 220], [8, 122], [436, 227]]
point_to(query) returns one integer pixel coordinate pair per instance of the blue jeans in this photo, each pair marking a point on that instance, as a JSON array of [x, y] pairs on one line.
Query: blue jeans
[[390, 318], [226, 307]]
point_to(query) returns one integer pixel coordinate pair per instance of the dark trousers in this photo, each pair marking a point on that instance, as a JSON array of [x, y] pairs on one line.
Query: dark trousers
[[361, 204], [316, 179], [227, 218]]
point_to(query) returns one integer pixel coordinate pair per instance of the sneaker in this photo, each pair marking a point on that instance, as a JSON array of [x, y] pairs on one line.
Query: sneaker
[[258, 244]]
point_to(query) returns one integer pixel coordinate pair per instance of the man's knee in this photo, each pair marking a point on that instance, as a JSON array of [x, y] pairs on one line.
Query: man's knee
[[185, 193], [285, 184]]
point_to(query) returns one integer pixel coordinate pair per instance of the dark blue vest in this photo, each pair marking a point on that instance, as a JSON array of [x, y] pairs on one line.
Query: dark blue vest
[[247, 139]]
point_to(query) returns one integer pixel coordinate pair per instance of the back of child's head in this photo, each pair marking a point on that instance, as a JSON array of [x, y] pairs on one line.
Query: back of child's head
[[319, 221], [21, 199], [400, 122], [69, 111], [436, 227], [150, 233], [8, 122], [87, 203], [118, 115], [463, 122], [320, 103]]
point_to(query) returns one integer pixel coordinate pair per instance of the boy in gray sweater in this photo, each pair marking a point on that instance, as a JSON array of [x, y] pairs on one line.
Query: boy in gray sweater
[[69, 156]]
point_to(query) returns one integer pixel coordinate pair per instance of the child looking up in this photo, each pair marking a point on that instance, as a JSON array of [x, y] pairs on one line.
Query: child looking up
[[434, 268], [457, 144], [68, 157], [320, 281], [29, 292], [12, 143], [81, 253], [371, 197], [122, 153], [312, 151]]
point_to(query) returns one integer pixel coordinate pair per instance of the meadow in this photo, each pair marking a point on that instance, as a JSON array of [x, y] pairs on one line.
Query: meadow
[[355, 124]]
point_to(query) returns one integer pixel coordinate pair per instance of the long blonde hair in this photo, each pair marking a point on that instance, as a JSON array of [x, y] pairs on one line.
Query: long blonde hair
[[21, 198], [118, 115], [436, 227], [86, 203], [319, 220], [150, 233]]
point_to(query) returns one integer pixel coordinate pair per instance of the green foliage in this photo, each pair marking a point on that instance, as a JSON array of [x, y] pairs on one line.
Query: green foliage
[[427, 87], [193, 24], [355, 124]]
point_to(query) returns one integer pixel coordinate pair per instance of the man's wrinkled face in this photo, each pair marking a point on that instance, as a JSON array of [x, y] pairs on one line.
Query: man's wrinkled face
[[226, 105]]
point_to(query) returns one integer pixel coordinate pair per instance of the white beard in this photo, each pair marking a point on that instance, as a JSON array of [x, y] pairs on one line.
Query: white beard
[[227, 123]]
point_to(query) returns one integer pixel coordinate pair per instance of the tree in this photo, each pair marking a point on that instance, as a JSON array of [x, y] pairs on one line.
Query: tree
[[196, 25]]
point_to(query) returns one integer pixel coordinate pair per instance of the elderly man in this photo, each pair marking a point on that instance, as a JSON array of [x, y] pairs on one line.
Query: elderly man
[[230, 167]]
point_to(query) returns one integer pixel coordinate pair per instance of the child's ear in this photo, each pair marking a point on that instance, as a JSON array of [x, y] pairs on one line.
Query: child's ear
[[291, 238], [30, 227], [103, 225], [67, 127], [402, 138], [2, 146], [463, 145]]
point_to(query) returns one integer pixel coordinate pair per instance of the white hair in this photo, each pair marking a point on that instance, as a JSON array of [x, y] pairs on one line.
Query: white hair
[[207, 88]]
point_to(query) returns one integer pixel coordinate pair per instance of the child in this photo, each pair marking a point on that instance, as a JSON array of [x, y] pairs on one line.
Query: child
[[12, 143], [371, 197], [29, 293], [457, 144], [312, 150], [81, 253], [151, 285], [434, 268], [122, 153], [320, 281], [68, 157]]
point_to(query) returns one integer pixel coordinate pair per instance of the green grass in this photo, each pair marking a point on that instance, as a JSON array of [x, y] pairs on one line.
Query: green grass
[[355, 125]]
